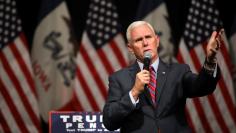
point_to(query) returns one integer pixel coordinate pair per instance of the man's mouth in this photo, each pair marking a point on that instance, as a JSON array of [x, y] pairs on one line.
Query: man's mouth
[[146, 50]]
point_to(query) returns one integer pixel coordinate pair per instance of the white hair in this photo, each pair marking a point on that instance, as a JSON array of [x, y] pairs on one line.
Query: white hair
[[136, 24]]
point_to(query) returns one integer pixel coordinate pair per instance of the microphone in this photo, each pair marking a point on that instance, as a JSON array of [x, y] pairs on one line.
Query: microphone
[[146, 63], [146, 60]]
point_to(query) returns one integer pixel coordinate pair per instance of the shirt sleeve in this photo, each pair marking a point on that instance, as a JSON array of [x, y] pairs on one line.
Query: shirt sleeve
[[132, 99], [211, 67]]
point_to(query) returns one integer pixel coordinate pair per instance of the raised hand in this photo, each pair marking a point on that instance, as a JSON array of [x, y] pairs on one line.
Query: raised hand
[[214, 44]]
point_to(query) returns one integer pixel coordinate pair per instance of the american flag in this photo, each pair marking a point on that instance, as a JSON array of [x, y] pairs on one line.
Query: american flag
[[18, 100], [216, 112], [102, 51]]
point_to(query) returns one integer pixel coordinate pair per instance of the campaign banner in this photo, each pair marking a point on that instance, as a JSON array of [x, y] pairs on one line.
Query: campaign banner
[[77, 122]]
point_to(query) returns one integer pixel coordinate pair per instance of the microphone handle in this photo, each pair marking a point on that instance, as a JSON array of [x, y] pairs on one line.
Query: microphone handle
[[146, 63], [146, 67]]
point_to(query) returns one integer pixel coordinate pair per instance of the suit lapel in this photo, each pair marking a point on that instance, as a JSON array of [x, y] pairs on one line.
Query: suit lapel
[[162, 73], [133, 70]]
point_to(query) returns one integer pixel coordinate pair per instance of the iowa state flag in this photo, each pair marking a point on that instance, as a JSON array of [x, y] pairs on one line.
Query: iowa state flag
[[155, 12], [52, 57]]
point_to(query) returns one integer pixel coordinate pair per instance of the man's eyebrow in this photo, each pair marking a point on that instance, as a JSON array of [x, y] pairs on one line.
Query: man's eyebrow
[[140, 38], [148, 35]]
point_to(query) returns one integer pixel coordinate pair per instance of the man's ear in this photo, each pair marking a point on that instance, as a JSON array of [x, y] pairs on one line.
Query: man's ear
[[158, 40], [130, 49]]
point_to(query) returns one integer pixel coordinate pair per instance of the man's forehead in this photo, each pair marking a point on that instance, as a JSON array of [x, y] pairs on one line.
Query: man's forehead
[[141, 30]]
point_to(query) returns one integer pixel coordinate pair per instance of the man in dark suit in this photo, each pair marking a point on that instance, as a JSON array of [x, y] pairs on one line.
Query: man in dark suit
[[129, 105]]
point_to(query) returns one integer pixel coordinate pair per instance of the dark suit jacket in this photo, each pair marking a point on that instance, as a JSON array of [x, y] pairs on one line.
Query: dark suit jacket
[[175, 83]]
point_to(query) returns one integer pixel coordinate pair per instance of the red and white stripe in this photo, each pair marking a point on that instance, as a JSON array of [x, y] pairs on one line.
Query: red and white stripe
[[19, 107], [216, 112], [94, 66]]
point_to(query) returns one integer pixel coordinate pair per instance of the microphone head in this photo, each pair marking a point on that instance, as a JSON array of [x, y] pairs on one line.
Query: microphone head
[[146, 60], [147, 54]]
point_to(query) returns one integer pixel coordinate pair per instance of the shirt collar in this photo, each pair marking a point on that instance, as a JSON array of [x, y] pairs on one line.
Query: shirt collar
[[155, 64]]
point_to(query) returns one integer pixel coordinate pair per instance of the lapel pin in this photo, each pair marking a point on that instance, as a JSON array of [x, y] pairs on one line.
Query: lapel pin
[[163, 72]]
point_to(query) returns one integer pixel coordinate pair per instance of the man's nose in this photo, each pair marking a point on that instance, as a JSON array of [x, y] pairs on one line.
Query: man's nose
[[145, 42]]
